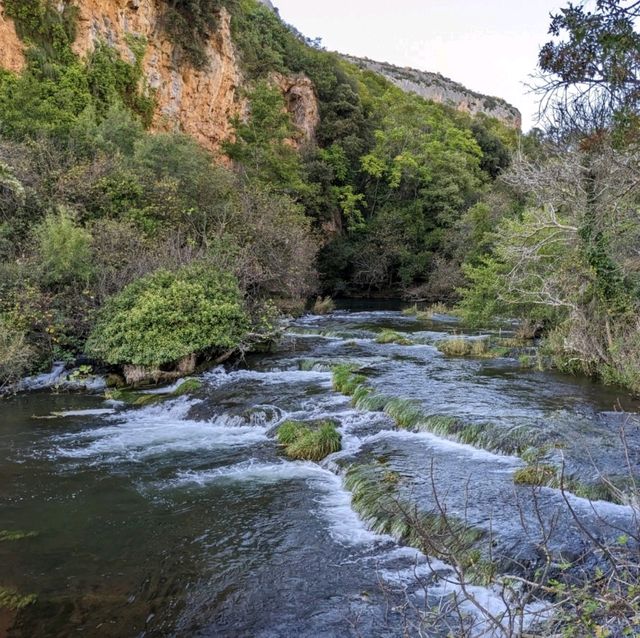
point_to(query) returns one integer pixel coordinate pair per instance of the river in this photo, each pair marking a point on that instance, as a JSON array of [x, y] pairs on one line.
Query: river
[[185, 519]]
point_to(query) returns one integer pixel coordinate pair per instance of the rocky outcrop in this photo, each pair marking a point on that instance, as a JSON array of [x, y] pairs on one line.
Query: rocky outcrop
[[435, 87], [302, 103], [199, 102], [11, 48]]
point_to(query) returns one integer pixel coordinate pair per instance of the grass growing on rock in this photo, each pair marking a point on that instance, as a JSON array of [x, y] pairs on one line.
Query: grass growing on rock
[[391, 336], [376, 499], [530, 444], [13, 601], [187, 387], [429, 312], [17, 535], [309, 443], [536, 475], [141, 399]]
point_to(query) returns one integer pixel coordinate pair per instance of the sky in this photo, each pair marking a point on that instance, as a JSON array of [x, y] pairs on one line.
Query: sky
[[490, 46]]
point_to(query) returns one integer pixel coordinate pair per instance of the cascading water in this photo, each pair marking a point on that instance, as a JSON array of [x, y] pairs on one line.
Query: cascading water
[[184, 518]]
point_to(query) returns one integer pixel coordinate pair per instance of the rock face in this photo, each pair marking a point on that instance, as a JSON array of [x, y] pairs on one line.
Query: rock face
[[197, 102], [11, 49], [302, 104], [435, 87]]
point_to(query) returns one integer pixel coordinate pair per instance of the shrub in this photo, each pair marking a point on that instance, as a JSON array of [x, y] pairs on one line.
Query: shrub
[[302, 442], [167, 316], [16, 355], [64, 249], [323, 306]]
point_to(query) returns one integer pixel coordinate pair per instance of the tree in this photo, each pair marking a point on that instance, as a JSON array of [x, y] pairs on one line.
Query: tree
[[263, 142], [590, 79]]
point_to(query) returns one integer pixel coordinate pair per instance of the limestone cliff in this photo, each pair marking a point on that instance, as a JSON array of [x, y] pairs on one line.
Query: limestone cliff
[[11, 49], [197, 102], [435, 87]]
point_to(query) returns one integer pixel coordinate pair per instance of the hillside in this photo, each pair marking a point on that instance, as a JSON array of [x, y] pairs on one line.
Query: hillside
[[147, 143], [436, 87]]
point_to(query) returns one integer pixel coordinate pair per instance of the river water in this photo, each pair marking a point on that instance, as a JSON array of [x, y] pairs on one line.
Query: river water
[[185, 519]]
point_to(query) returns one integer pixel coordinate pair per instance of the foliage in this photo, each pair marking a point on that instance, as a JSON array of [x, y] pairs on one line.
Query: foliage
[[12, 600], [262, 145], [590, 70], [190, 24], [64, 249], [40, 23], [16, 356], [166, 316]]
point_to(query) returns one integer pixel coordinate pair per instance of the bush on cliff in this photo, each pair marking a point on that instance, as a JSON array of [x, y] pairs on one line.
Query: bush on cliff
[[166, 316]]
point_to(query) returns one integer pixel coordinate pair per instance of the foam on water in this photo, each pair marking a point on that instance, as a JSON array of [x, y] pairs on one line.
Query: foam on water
[[271, 377], [460, 449], [138, 434], [487, 607]]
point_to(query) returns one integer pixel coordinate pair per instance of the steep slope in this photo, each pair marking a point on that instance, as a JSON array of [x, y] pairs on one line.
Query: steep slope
[[198, 101], [435, 87]]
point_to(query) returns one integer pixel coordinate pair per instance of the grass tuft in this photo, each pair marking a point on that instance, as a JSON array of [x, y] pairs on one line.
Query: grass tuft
[[405, 413], [13, 601], [481, 348], [187, 387], [536, 475], [141, 399], [7, 535], [345, 379], [375, 498], [305, 443], [323, 306], [391, 336]]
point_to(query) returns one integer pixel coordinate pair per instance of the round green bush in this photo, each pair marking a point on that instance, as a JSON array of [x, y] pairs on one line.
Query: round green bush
[[166, 316]]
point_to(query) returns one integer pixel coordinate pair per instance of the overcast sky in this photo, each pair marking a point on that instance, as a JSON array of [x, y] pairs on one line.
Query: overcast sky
[[490, 46]]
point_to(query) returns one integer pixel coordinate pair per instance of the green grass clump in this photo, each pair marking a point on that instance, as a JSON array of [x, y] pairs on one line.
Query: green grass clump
[[345, 379], [481, 348], [187, 387], [411, 311], [391, 336], [405, 413], [540, 475], [142, 399], [304, 443], [13, 601], [376, 499], [8, 535], [289, 431], [536, 475], [17, 535], [323, 306]]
